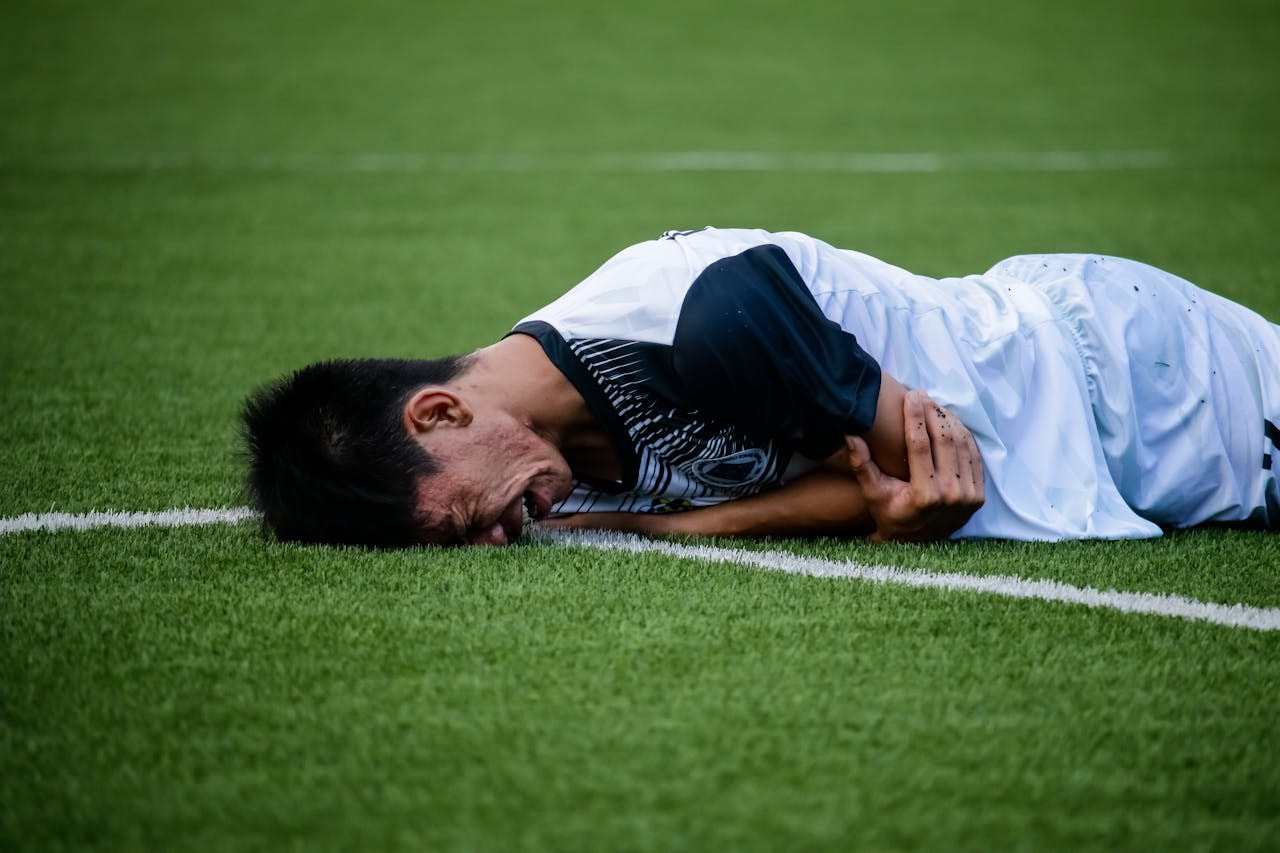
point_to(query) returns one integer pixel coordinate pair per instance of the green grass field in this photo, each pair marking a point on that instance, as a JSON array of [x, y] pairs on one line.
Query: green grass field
[[195, 198]]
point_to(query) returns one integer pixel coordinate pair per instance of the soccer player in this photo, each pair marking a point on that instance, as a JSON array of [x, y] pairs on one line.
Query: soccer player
[[734, 382]]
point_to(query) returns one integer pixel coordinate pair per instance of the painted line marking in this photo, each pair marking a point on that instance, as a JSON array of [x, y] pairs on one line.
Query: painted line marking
[[186, 517], [1162, 604], [669, 161], [1158, 604]]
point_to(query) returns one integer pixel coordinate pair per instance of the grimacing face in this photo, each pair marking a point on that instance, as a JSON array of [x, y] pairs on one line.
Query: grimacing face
[[491, 474]]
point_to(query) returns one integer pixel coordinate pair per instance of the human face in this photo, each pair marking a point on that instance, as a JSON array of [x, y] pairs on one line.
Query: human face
[[491, 473]]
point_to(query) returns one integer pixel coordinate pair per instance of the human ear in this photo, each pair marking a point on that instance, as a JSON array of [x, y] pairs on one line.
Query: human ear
[[434, 407]]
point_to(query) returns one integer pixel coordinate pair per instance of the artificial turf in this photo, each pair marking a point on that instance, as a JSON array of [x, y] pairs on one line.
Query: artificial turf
[[184, 215]]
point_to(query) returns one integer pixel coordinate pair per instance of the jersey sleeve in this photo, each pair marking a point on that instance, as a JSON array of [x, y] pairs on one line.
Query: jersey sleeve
[[753, 348]]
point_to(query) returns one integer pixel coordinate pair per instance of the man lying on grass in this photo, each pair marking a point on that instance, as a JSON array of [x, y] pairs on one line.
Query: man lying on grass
[[731, 382]]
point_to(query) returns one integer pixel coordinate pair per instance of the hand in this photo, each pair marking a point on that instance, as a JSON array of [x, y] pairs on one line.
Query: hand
[[945, 467]]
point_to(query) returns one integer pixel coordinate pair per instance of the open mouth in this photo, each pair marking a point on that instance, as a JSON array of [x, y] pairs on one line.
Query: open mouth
[[529, 512]]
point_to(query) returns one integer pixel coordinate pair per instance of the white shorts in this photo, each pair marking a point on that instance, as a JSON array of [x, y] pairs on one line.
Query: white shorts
[[1184, 387], [1109, 399]]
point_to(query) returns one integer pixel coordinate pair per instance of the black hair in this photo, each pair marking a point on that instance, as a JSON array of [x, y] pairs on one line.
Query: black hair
[[330, 459]]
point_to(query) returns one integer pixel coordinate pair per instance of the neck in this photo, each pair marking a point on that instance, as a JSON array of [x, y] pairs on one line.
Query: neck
[[516, 376]]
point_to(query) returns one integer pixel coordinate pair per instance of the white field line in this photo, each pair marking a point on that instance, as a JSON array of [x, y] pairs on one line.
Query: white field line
[[670, 161], [185, 517], [1234, 616]]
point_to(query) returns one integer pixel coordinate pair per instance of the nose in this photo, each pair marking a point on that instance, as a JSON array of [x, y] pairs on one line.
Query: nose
[[494, 535]]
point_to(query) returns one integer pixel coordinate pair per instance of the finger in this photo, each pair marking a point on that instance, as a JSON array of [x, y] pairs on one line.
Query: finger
[[965, 456], [919, 446], [924, 486], [942, 436], [979, 480], [860, 458], [865, 471], [968, 463]]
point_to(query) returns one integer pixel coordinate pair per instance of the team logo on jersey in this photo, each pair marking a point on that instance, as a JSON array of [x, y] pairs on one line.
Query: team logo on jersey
[[662, 506], [736, 469]]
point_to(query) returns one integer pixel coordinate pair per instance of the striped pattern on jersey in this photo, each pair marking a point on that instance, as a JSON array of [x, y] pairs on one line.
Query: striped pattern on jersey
[[683, 460]]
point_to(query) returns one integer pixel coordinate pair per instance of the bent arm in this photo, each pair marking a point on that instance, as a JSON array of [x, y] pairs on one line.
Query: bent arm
[[827, 501], [856, 492], [822, 502]]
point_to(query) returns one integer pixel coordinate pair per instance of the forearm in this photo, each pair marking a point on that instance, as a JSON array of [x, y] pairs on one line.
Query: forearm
[[845, 497], [823, 502]]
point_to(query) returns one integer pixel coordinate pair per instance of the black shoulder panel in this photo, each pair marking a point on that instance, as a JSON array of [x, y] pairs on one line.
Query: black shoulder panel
[[597, 399], [753, 349]]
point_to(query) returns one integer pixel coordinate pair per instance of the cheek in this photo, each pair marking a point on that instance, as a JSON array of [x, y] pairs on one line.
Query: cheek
[[491, 462], [507, 447]]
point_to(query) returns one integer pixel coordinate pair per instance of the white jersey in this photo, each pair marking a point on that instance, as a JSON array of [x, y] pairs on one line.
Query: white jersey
[[1108, 398]]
